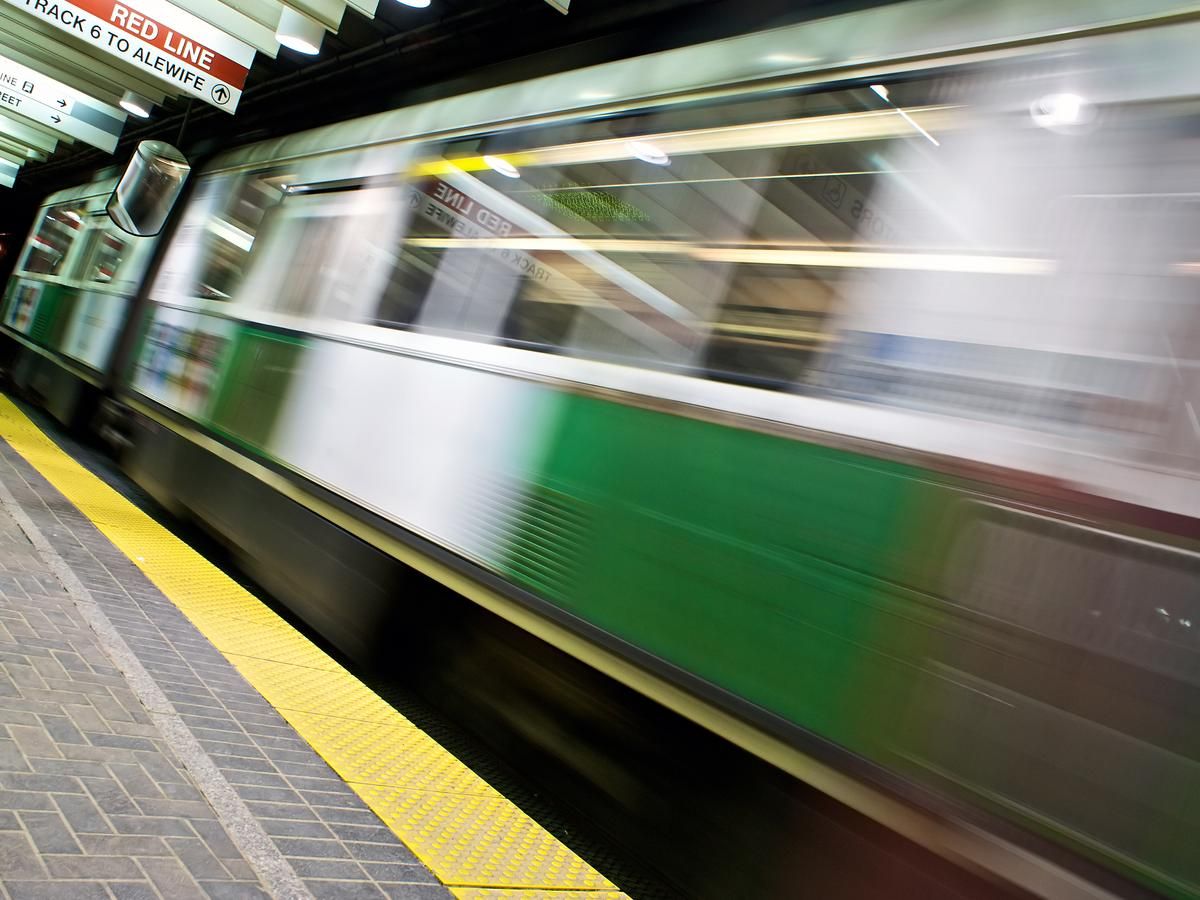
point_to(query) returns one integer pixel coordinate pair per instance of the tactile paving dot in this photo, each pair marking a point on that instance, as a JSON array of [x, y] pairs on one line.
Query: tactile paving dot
[[399, 755], [475, 841], [268, 640], [336, 693]]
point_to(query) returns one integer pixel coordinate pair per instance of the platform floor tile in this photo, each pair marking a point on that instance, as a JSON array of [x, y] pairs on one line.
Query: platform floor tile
[[92, 800], [246, 684]]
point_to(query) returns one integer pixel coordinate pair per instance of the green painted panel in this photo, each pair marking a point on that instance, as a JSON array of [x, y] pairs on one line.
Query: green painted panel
[[805, 580], [254, 384], [756, 562], [49, 323]]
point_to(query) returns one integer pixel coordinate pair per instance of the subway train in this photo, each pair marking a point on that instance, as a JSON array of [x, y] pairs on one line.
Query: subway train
[[835, 385]]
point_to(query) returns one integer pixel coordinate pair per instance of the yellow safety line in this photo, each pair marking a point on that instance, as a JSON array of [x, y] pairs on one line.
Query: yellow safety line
[[472, 838]]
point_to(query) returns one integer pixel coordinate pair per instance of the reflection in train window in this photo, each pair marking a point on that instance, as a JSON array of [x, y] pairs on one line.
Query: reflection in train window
[[410, 274], [679, 239], [231, 235], [1094, 590], [415, 265], [48, 246], [106, 253], [321, 254]]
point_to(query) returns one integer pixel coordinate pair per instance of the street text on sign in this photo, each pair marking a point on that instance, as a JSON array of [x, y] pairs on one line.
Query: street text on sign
[[35, 86], [157, 37], [29, 93]]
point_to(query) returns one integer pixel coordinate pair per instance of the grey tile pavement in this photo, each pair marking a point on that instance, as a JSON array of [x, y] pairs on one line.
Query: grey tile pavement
[[213, 795]]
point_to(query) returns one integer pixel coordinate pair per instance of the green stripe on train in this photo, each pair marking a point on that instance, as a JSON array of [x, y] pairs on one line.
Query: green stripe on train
[[254, 384], [805, 580], [755, 562]]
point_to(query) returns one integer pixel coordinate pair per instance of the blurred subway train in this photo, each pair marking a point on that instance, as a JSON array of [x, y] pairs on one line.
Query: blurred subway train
[[834, 386]]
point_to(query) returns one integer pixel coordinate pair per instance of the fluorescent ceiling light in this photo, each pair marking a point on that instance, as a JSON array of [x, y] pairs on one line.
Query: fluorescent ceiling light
[[975, 263], [503, 166], [794, 59], [416, 4], [136, 105], [648, 153], [1060, 110], [858, 126], [298, 32]]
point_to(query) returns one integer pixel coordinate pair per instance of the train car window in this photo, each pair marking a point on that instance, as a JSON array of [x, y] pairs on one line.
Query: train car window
[[677, 238], [296, 286], [407, 283], [48, 246], [104, 256], [414, 264], [1005, 286], [773, 324], [230, 235], [324, 254], [1092, 589]]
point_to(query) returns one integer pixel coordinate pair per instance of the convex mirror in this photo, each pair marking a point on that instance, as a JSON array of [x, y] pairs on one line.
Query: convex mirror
[[149, 188]]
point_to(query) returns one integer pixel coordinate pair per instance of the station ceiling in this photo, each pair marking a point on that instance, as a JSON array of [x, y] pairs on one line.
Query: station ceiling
[[69, 68]]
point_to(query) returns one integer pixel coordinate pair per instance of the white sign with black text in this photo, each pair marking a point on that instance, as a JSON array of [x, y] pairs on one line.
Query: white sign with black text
[[29, 93]]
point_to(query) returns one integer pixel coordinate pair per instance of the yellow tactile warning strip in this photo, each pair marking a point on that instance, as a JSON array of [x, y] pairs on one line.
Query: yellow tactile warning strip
[[502, 894], [477, 842]]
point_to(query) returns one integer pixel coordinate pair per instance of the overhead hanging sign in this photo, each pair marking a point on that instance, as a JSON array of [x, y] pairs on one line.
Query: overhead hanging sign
[[35, 138], [159, 38], [29, 93]]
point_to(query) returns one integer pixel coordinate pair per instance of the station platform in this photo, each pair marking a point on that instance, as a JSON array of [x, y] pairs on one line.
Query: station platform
[[164, 733]]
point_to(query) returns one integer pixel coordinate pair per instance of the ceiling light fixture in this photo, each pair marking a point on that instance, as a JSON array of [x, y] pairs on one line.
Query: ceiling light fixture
[[1061, 111], [503, 166], [791, 59], [416, 4], [648, 153], [136, 105], [298, 32]]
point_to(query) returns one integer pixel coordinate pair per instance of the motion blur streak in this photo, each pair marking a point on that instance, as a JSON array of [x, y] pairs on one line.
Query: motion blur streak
[[885, 447], [858, 126], [761, 256]]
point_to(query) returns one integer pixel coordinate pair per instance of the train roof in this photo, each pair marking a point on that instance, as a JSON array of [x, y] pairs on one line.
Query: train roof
[[858, 44], [101, 186]]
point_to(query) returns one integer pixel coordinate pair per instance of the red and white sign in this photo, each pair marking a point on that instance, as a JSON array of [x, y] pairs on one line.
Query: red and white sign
[[167, 42]]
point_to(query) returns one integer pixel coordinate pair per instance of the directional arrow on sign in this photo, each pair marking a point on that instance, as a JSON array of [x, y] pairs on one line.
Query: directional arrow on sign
[[27, 92]]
